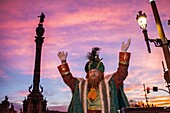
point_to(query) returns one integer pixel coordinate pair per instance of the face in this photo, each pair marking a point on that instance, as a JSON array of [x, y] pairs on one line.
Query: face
[[94, 77], [94, 73]]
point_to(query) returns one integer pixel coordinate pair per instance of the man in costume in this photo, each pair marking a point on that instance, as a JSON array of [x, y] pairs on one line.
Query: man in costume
[[97, 93]]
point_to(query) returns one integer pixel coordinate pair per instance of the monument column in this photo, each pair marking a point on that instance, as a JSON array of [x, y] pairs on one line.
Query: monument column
[[34, 103]]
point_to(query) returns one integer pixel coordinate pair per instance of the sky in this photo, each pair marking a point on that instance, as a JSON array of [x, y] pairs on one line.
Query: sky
[[75, 26]]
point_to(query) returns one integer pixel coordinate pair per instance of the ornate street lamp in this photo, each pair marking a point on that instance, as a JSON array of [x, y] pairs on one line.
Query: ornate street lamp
[[162, 41], [142, 21]]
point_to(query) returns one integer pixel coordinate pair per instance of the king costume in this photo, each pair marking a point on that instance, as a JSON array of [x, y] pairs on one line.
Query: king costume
[[110, 96]]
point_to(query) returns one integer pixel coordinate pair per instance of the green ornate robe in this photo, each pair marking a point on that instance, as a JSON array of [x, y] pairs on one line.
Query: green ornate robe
[[111, 91], [107, 91]]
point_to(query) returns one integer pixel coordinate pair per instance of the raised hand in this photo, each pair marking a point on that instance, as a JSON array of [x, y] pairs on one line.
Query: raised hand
[[125, 47], [62, 56]]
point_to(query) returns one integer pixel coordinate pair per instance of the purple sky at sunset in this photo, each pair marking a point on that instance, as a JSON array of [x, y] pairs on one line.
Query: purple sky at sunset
[[76, 26]]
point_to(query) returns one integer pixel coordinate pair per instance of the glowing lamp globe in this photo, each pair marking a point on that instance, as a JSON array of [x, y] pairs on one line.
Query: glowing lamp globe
[[142, 21]]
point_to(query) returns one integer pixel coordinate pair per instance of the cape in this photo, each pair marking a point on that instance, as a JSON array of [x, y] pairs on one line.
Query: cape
[[107, 91]]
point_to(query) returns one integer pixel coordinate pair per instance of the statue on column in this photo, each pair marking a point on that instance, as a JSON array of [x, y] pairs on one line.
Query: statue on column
[[40, 30], [42, 16]]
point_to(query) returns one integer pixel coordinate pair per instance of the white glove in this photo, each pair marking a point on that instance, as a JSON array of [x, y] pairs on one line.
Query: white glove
[[125, 47]]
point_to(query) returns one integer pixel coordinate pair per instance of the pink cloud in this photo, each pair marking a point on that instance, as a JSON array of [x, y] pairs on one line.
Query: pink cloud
[[104, 16], [22, 93], [16, 24], [58, 108]]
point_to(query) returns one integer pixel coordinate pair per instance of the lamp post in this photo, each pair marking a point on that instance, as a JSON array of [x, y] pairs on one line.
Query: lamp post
[[159, 42]]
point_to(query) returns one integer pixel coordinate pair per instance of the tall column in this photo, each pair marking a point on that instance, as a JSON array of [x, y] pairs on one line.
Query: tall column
[[34, 103], [39, 41]]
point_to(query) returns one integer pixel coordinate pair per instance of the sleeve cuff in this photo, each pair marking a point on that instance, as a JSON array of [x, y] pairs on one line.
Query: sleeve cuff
[[124, 58], [64, 69]]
